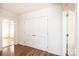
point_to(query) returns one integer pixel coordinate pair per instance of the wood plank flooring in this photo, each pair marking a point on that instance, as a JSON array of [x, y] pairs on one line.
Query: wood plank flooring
[[20, 50]]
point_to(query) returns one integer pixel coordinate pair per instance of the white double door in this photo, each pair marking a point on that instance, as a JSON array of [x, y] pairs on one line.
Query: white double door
[[36, 29]]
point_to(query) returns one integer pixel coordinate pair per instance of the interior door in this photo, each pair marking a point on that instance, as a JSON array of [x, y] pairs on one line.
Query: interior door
[[36, 29]]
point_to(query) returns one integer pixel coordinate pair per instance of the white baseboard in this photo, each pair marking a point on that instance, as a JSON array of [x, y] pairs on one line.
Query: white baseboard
[[33, 47], [41, 49]]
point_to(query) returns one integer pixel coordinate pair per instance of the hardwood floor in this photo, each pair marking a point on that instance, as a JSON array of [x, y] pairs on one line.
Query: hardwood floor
[[20, 50]]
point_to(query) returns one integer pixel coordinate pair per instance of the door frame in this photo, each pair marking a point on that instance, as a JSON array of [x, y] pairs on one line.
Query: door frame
[[64, 20]]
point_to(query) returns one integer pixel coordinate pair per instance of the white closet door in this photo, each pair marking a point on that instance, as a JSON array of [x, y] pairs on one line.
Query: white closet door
[[36, 29]]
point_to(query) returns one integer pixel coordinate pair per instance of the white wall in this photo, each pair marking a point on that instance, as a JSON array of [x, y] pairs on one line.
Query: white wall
[[5, 14], [0, 36], [54, 35], [55, 30], [77, 42], [64, 31]]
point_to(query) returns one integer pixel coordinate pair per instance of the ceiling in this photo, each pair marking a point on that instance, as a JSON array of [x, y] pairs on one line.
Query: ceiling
[[20, 8], [23, 7]]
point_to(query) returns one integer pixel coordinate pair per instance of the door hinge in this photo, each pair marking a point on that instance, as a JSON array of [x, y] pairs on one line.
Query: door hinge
[[67, 35], [67, 14]]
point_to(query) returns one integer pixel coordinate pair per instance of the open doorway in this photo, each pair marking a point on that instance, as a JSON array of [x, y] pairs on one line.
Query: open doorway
[[8, 37], [7, 33]]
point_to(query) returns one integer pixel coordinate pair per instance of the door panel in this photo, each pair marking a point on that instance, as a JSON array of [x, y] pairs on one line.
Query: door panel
[[36, 30]]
